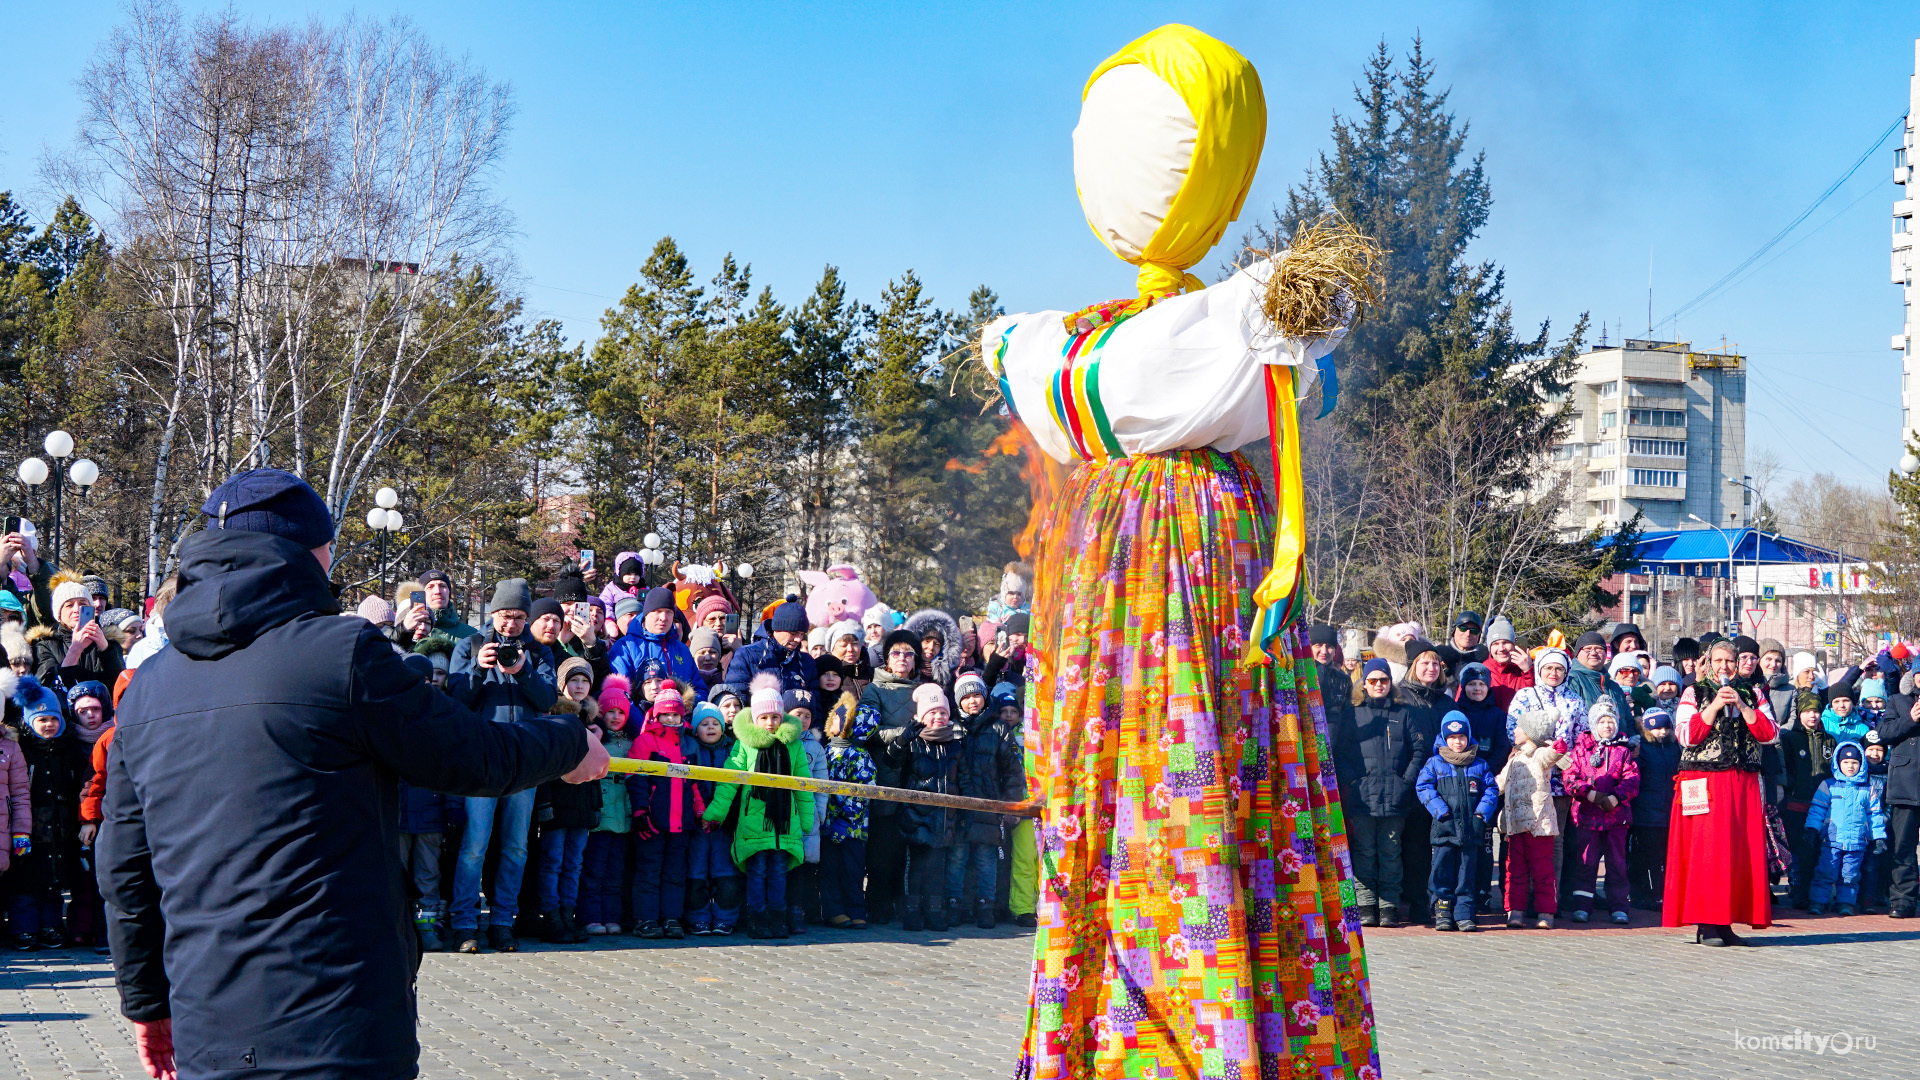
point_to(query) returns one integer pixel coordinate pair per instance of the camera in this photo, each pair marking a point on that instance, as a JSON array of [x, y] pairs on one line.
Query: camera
[[506, 654]]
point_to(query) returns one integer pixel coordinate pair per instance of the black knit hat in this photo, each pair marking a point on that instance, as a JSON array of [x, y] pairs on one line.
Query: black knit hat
[[1322, 634], [900, 636], [1745, 644], [1591, 637]]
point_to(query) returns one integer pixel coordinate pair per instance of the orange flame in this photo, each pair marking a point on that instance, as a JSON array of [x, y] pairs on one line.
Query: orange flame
[[1043, 475]]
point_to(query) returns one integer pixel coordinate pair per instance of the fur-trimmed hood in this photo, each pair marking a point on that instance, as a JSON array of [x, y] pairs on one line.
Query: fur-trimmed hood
[[928, 621], [752, 737]]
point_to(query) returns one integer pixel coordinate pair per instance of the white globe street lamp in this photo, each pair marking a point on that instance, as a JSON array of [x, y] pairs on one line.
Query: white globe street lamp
[[33, 472], [84, 473], [386, 498], [59, 444]]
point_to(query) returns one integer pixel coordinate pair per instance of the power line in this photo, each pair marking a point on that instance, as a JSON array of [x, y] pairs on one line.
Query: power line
[[1710, 291]]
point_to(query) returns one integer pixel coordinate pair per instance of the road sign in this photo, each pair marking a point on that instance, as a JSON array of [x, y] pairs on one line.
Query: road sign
[[1766, 592], [1830, 637], [1754, 615], [1840, 619]]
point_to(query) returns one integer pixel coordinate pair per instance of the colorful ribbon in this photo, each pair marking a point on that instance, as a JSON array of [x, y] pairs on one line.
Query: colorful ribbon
[[1282, 594]]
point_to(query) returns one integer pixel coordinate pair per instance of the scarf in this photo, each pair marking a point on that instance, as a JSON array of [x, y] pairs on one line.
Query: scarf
[[1459, 757], [1599, 756], [944, 733], [773, 759]]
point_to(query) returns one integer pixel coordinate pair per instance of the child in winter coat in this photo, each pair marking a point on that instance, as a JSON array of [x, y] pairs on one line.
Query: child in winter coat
[[990, 768], [1873, 871], [1657, 754], [57, 767], [843, 851], [604, 866], [1529, 822], [927, 753], [803, 884], [16, 793], [769, 825], [1849, 818], [1602, 778], [1807, 750], [1459, 791], [567, 814], [714, 885], [666, 813], [1666, 688], [1839, 720]]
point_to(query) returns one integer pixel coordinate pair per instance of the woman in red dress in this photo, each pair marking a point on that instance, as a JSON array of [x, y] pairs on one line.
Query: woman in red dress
[[1717, 854]]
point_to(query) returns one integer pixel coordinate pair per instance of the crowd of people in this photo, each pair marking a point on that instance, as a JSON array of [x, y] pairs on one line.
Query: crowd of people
[[658, 672], [1549, 783]]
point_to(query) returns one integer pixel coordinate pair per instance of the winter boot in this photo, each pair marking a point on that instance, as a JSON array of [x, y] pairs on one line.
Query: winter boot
[[983, 915], [758, 926], [1390, 916], [1369, 915], [649, 929], [937, 916], [469, 940], [956, 911], [553, 928], [1443, 915], [673, 929], [1027, 921], [500, 938], [910, 916], [1516, 919], [426, 923]]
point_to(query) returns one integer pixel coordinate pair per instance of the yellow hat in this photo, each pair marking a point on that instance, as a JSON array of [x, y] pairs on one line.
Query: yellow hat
[[1170, 133]]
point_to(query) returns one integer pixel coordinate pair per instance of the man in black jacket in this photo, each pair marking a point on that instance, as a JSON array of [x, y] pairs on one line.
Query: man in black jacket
[[1901, 732], [249, 852], [1336, 686]]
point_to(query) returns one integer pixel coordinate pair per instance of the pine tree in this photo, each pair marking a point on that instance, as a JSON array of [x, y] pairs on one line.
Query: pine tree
[[898, 460], [984, 502], [818, 401]]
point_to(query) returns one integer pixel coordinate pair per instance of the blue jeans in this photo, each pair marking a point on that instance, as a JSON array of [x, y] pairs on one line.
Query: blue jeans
[[985, 859], [1837, 877], [713, 882], [516, 816], [561, 851], [767, 881]]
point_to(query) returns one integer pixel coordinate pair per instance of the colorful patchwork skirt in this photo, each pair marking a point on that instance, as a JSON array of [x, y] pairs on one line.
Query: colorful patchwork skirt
[[1196, 897]]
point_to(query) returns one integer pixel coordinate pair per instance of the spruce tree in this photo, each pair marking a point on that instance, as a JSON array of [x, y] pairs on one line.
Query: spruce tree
[[898, 458]]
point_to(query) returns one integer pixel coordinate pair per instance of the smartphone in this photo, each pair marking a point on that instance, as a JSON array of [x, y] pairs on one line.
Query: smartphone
[[586, 560], [13, 524], [732, 625], [583, 611], [86, 614], [417, 598]]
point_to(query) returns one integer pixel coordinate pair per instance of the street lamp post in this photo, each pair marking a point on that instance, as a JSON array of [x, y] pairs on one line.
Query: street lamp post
[[83, 474], [384, 520], [1733, 620]]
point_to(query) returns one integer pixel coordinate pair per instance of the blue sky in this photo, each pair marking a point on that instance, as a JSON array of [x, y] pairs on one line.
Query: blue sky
[[936, 136]]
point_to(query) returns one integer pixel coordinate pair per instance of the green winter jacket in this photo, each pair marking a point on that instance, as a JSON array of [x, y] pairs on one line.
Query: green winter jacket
[[752, 833], [616, 813]]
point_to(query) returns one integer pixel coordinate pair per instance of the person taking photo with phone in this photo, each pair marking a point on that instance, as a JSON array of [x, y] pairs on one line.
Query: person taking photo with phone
[[23, 574], [75, 649]]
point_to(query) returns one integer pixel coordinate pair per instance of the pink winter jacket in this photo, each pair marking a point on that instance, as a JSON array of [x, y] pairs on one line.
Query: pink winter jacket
[[1617, 775], [16, 797]]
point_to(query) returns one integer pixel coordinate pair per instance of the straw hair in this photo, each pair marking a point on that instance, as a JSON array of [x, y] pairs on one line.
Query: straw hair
[[1327, 277]]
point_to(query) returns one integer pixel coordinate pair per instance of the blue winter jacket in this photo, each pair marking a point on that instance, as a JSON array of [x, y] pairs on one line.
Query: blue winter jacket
[[794, 666], [629, 654], [495, 695], [1461, 798], [1849, 728], [1847, 809]]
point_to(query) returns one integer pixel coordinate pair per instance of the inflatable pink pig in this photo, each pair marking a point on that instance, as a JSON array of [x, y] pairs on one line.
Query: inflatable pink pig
[[836, 593]]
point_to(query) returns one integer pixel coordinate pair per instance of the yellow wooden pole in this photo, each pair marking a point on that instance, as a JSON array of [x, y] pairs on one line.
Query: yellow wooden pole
[[678, 771]]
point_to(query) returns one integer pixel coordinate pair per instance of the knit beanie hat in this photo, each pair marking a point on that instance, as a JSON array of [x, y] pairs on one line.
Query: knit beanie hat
[[36, 701], [270, 501], [1017, 579], [928, 696], [1873, 688], [628, 605], [1016, 623], [1322, 634], [1745, 644], [546, 605], [1806, 701], [725, 690], [1418, 648], [567, 669], [970, 683], [1848, 751], [1455, 723], [1686, 649], [376, 610], [1841, 690], [702, 639], [817, 637], [1375, 666], [797, 699], [73, 590], [667, 699], [432, 576], [879, 615], [1666, 673], [511, 594], [1656, 719], [902, 636], [1475, 672], [766, 695], [789, 618], [1772, 645], [1802, 661], [659, 598], [1553, 656], [569, 587], [616, 695], [1500, 629], [845, 628], [1623, 662], [706, 711], [714, 602], [1591, 637]]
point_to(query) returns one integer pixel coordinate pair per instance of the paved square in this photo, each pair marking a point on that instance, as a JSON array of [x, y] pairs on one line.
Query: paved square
[[1526, 1005]]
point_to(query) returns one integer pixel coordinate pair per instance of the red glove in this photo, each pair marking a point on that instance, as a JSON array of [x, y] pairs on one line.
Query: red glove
[[154, 1041]]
